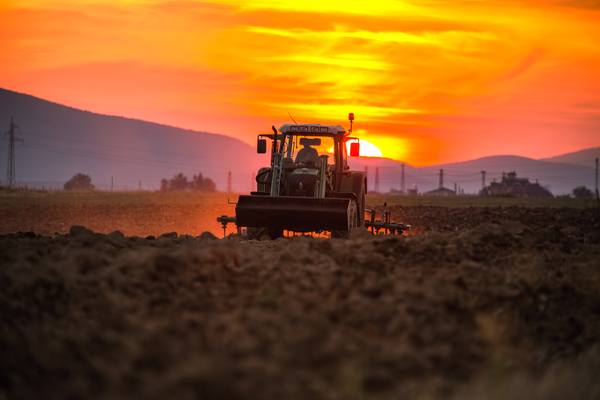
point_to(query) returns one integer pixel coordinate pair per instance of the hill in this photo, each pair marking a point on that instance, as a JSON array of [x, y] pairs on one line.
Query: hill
[[559, 178], [60, 141], [586, 157]]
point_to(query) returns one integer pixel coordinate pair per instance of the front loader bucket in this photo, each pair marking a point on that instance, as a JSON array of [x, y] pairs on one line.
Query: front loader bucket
[[299, 214]]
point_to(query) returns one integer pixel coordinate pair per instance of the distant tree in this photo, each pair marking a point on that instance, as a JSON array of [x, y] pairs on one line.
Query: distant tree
[[164, 185], [581, 192], [180, 182], [203, 184], [79, 182]]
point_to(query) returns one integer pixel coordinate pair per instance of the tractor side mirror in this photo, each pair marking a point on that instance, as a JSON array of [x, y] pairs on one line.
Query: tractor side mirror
[[354, 149], [261, 146]]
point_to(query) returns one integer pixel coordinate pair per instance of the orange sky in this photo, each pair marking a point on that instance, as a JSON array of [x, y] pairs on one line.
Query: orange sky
[[428, 81]]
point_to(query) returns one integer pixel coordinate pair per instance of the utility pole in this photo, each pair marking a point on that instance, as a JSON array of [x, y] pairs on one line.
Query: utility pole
[[10, 170], [111, 183], [140, 187], [597, 197], [377, 180], [402, 182], [229, 182], [455, 188], [441, 178], [367, 176], [482, 181]]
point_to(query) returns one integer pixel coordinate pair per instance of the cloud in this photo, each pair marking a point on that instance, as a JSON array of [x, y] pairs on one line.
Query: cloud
[[428, 71], [339, 60], [585, 4], [332, 7], [523, 66]]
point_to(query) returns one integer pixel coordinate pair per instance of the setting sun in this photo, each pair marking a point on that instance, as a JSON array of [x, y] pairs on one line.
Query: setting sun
[[366, 149]]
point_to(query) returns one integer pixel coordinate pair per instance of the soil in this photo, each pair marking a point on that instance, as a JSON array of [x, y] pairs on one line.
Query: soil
[[475, 303], [142, 219]]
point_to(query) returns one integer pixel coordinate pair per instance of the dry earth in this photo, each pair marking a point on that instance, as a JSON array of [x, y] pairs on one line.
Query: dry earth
[[479, 303]]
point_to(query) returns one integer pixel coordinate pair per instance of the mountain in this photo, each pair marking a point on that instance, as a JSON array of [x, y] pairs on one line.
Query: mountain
[[559, 178], [60, 141], [585, 157]]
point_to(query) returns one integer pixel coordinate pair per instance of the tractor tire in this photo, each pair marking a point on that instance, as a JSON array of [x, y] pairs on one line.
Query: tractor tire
[[275, 233], [344, 234], [257, 233], [361, 208]]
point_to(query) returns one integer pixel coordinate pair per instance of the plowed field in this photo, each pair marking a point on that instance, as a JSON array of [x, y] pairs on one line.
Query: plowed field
[[477, 303]]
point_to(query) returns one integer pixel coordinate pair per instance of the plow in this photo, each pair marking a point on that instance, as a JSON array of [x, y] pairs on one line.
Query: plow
[[308, 189]]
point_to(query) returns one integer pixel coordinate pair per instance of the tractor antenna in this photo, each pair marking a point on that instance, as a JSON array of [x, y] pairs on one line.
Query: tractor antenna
[[292, 118]]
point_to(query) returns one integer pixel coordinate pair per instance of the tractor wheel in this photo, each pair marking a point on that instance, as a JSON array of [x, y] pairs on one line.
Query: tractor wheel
[[343, 234], [275, 233], [361, 209], [257, 233]]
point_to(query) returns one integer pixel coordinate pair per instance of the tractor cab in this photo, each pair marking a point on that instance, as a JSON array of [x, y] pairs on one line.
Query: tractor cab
[[306, 157]]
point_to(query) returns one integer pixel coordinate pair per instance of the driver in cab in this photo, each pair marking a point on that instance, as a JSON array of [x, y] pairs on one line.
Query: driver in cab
[[309, 154]]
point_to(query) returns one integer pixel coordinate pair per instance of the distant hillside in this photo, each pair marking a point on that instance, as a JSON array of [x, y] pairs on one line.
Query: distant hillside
[[61, 141], [559, 178], [585, 157]]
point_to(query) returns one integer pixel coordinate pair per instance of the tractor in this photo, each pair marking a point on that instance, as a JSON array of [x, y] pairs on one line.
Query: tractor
[[308, 186]]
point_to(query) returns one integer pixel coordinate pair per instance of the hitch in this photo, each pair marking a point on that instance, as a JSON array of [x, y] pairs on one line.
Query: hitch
[[385, 223], [224, 220]]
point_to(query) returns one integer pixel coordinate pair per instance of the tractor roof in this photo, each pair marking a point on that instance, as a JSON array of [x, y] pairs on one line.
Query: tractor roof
[[312, 129]]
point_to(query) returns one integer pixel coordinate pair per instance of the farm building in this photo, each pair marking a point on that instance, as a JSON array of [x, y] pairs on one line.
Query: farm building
[[440, 192], [510, 185]]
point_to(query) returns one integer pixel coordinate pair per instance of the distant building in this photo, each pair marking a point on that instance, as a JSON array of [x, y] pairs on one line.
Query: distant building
[[395, 192], [510, 185], [412, 192], [440, 192]]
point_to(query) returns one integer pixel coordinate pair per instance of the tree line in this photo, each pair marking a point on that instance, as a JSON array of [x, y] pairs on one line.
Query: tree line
[[179, 182]]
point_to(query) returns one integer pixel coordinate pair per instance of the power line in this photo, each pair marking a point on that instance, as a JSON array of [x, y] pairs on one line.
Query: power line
[[95, 144], [122, 159]]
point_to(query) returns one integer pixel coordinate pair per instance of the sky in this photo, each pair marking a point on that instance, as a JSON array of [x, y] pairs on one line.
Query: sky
[[429, 82]]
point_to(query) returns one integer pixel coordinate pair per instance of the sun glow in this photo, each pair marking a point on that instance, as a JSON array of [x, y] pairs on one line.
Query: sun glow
[[367, 149]]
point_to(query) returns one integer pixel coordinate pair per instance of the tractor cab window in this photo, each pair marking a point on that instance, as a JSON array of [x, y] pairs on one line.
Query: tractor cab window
[[308, 149], [344, 155]]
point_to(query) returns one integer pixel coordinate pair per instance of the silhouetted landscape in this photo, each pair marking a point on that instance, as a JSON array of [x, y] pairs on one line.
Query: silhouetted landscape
[[60, 141]]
